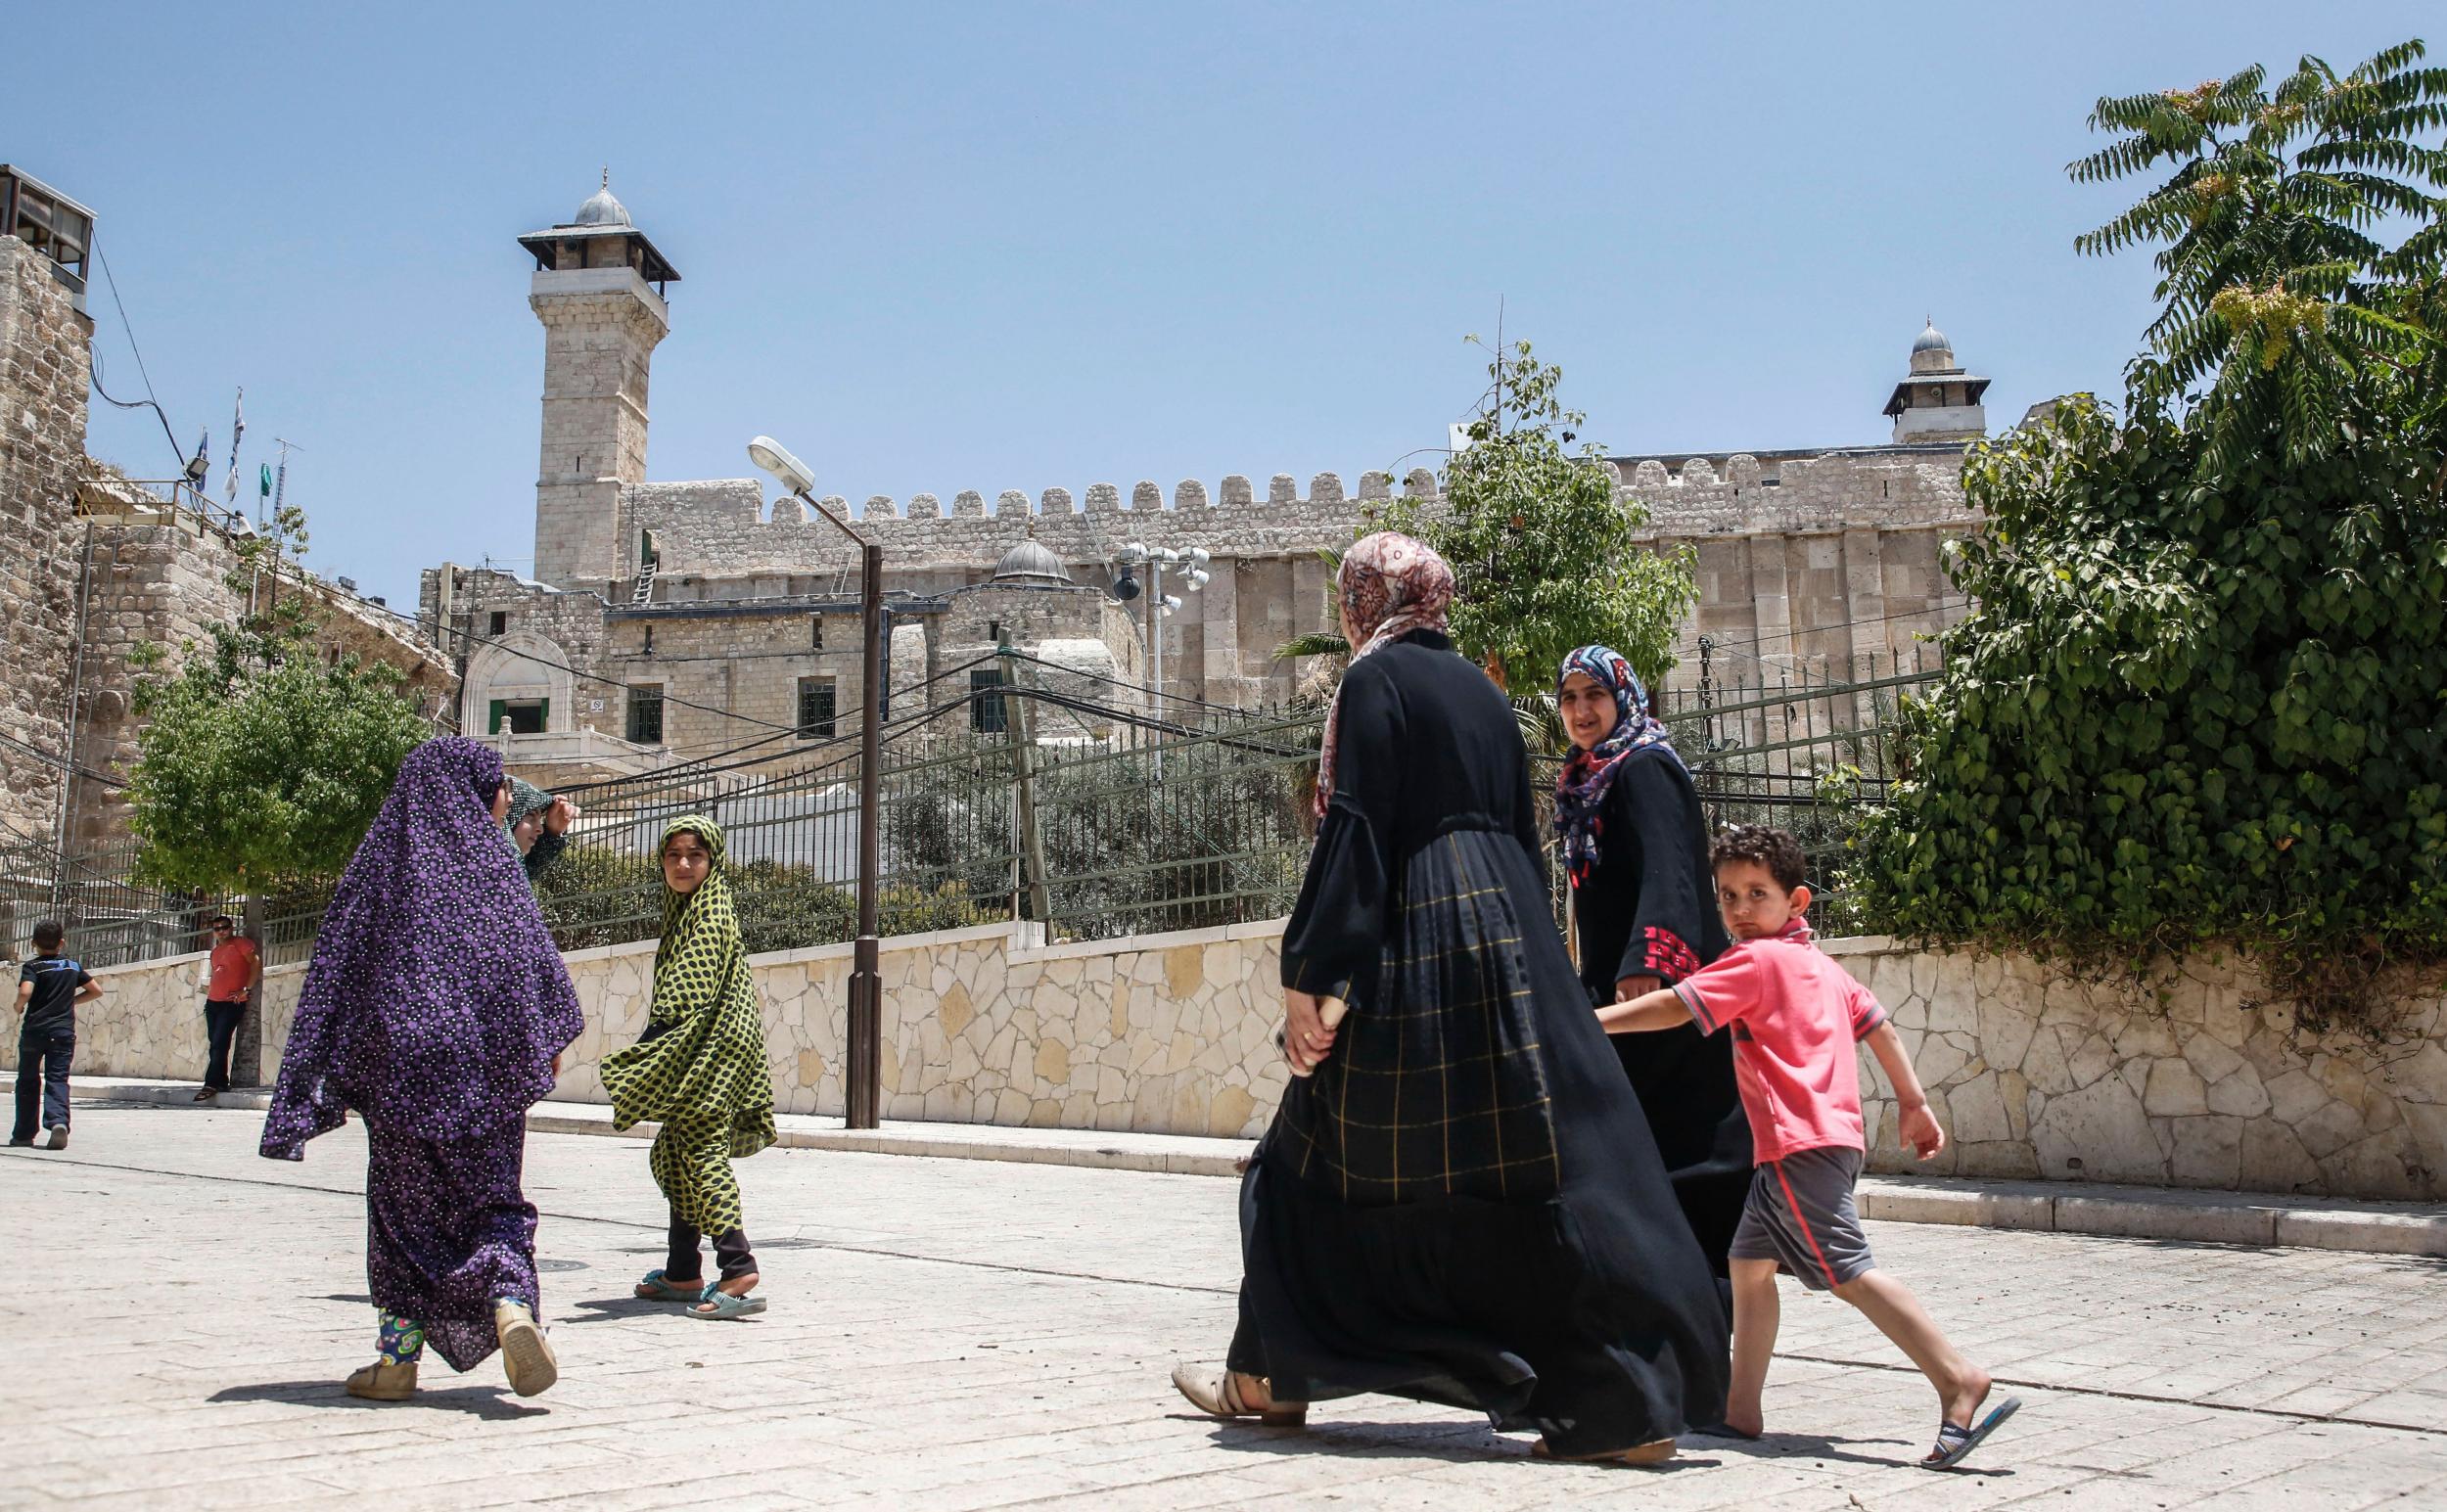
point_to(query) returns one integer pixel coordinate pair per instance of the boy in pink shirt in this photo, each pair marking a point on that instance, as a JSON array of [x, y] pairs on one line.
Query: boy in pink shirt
[[1795, 1017]]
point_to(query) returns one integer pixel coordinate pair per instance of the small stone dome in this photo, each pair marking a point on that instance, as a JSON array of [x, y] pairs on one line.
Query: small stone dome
[[1030, 561], [1932, 352], [602, 209]]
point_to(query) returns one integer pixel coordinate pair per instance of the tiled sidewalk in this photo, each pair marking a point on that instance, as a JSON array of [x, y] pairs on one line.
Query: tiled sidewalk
[[971, 1334]]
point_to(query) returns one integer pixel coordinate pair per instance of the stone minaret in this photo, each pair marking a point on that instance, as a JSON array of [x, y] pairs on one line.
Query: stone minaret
[[599, 290], [1937, 401]]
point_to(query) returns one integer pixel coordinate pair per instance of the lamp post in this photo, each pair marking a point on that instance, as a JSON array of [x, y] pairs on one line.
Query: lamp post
[[1192, 562], [863, 1076]]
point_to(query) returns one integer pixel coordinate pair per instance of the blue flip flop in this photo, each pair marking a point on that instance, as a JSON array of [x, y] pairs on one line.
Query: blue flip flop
[[725, 1306], [1954, 1444], [655, 1288]]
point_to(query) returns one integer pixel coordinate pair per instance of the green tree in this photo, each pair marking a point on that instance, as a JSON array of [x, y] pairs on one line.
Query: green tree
[[1545, 554], [262, 764], [2284, 309], [2200, 699]]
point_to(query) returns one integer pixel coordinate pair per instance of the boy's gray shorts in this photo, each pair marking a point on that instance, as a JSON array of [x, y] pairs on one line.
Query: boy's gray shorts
[[1800, 1215]]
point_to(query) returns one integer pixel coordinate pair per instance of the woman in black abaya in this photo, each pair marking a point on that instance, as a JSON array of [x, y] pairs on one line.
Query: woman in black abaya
[[1461, 1204], [1644, 903]]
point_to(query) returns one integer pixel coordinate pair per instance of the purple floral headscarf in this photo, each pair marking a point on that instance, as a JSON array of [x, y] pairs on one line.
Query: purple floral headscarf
[[435, 999]]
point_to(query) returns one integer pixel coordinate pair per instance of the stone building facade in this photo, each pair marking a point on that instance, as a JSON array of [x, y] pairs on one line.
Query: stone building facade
[[683, 615], [94, 565], [46, 344]]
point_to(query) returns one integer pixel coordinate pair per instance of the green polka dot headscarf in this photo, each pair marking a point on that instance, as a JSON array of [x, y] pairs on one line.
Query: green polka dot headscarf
[[703, 1057]]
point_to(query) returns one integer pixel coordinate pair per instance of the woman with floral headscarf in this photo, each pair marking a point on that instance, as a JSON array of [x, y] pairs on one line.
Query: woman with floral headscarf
[[436, 1006], [1643, 900], [1457, 1201], [698, 1072], [538, 824]]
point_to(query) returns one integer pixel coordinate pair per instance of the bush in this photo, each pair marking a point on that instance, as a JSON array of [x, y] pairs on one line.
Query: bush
[[2192, 705]]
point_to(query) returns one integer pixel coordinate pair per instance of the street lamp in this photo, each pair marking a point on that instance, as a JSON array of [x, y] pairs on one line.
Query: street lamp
[[863, 1076], [1191, 564]]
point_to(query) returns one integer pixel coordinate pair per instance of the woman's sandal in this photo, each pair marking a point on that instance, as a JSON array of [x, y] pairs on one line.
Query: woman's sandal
[[654, 1288], [1654, 1452], [379, 1382], [1954, 1444], [724, 1306], [1218, 1395]]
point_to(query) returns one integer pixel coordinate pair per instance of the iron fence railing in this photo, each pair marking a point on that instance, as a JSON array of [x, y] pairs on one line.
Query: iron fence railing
[[110, 919], [1018, 811]]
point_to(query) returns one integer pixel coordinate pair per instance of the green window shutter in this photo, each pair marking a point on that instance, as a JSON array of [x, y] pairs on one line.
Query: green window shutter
[[499, 709], [543, 712]]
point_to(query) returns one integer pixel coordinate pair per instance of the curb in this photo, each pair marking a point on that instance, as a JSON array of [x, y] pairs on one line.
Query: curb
[[2096, 1209]]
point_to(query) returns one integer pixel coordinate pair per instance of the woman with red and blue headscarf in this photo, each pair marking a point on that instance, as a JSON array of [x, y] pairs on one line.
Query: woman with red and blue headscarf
[[1643, 904]]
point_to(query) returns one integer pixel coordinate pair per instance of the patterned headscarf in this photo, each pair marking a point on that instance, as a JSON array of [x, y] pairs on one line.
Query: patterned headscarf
[[1581, 786], [706, 1057], [1390, 585], [525, 799], [435, 999]]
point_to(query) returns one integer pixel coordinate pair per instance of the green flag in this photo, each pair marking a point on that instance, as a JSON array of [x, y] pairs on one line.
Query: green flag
[[266, 490]]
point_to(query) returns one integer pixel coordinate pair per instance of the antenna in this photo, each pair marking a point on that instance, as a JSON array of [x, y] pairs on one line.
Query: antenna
[[280, 478]]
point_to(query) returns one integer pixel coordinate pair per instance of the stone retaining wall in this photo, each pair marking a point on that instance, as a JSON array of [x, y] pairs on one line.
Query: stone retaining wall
[[2193, 1084]]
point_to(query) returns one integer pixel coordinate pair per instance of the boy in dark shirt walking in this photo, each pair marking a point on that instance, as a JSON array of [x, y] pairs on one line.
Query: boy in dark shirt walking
[[48, 989]]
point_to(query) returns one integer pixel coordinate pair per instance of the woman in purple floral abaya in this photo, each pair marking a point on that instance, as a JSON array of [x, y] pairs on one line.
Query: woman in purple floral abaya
[[437, 1007]]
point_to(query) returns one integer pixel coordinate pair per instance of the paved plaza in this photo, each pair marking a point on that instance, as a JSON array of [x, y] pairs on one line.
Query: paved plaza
[[967, 1334]]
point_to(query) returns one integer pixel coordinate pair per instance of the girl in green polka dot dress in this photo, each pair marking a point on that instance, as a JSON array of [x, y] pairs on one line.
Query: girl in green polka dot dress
[[700, 1072]]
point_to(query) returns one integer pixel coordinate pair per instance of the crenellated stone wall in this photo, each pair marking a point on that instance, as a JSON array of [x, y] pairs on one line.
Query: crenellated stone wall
[[1822, 565], [2191, 1084]]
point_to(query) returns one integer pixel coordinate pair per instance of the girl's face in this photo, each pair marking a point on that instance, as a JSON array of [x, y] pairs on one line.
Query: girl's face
[[685, 862], [1587, 709], [501, 803], [526, 831]]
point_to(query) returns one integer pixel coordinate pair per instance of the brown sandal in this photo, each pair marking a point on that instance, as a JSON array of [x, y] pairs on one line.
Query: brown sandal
[[1218, 1395], [1654, 1452]]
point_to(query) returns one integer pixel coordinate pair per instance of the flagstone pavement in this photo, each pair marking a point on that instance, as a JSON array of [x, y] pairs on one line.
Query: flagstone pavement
[[963, 1334]]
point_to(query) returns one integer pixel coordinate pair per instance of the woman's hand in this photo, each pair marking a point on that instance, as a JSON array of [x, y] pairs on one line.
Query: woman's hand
[[559, 816], [1307, 1038], [1630, 988]]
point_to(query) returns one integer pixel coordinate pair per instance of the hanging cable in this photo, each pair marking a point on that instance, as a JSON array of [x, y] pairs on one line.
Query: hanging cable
[[179, 467]]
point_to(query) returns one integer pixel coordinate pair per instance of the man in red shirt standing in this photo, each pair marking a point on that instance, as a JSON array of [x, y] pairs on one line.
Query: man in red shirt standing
[[237, 972]]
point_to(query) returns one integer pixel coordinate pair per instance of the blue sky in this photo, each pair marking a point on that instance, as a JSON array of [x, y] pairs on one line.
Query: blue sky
[[948, 246]]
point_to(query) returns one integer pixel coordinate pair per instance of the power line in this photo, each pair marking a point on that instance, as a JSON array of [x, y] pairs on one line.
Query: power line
[[61, 763], [179, 457]]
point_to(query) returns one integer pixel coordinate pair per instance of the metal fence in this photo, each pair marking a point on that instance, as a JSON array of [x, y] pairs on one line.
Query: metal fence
[[990, 810], [110, 919], [1801, 753]]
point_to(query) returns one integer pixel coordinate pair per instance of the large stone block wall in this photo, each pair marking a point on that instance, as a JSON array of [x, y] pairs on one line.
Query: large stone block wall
[[162, 585], [2192, 1082], [1825, 565], [45, 370]]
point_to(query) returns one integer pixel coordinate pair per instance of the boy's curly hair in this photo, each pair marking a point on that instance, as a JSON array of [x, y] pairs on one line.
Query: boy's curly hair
[[1773, 849]]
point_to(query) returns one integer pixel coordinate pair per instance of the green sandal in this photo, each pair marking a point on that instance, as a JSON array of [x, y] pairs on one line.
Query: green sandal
[[725, 1306], [654, 1288]]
